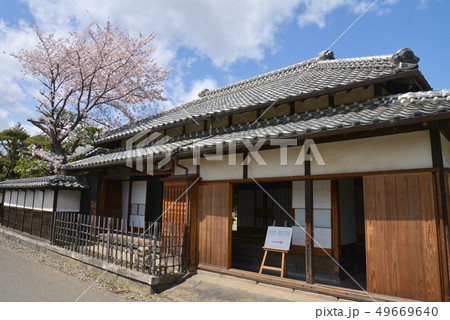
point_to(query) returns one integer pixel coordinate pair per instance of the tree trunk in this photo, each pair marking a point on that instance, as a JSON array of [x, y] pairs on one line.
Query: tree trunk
[[59, 150]]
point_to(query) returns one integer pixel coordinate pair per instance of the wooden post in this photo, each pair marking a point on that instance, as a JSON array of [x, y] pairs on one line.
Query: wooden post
[[292, 108], [32, 212], [55, 206], [154, 247], [245, 166], [77, 232], [23, 211], [309, 223], [132, 246], [335, 227], [98, 235], [108, 240], [15, 212], [143, 246], [443, 219], [309, 227]]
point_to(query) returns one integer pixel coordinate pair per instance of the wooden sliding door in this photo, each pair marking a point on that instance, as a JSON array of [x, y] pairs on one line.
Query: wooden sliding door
[[214, 229], [401, 236], [111, 203]]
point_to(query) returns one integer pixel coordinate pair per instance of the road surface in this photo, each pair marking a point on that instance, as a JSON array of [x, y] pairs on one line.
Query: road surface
[[25, 280]]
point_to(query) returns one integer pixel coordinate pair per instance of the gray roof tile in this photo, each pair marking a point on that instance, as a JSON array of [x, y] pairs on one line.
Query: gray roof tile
[[56, 181], [387, 109], [305, 77]]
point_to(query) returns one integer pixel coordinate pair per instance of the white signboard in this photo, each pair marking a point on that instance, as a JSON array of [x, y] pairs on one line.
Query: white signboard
[[278, 238]]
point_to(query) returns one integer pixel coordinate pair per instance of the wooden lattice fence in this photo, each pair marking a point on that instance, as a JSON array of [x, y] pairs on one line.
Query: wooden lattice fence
[[143, 248]]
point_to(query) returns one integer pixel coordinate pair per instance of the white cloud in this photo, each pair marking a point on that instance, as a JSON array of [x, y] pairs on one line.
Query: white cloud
[[181, 93], [317, 11], [197, 86], [222, 31], [13, 85]]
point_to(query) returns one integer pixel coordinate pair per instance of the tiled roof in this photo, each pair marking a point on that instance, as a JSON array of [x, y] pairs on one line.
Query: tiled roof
[[307, 77], [65, 182], [388, 109]]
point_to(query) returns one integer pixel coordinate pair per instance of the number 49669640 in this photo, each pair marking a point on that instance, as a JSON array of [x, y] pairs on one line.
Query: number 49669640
[[407, 311]]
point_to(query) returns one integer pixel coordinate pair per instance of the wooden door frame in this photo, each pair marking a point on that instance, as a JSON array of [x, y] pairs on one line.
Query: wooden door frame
[[442, 219], [228, 226]]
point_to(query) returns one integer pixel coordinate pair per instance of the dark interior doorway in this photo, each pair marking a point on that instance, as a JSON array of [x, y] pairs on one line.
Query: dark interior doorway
[[154, 199], [352, 231], [252, 212]]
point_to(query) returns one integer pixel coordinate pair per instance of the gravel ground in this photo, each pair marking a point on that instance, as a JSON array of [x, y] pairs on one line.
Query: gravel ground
[[103, 284]]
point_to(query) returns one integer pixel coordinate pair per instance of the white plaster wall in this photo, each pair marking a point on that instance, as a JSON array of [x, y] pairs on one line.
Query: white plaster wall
[[445, 151], [48, 200], [68, 201], [14, 195], [186, 163], [274, 168], [7, 202], [21, 199], [221, 169], [38, 198], [29, 199], [393, 152]]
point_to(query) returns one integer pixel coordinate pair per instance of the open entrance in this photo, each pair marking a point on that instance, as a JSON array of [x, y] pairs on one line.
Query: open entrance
[[136, 200], [253, 211], [338, 227], [351, 253]]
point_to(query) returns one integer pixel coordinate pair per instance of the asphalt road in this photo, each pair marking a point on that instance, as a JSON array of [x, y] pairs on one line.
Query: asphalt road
[[24, 280]]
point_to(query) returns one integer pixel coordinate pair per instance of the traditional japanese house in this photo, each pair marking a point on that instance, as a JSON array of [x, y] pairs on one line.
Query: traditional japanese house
[[373, 194]]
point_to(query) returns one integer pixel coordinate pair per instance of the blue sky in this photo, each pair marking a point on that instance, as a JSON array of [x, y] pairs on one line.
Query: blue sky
[[209, 44]]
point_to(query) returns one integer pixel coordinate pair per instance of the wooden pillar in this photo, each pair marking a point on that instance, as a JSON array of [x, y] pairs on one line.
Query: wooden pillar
[[331, 100], [32, 212], [23, 211], [335, 227], [292, 108], [245, 166], [55, 207], [438, 163], [309, 224]]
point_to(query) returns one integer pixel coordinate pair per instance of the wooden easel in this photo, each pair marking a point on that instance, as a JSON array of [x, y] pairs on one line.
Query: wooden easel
[[282, 269]]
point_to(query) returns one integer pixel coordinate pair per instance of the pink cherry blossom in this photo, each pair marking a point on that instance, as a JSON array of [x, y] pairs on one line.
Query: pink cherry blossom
[[94, 77]]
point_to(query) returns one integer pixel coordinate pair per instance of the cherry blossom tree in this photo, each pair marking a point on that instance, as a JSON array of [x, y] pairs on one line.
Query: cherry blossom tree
[[99, 77]]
